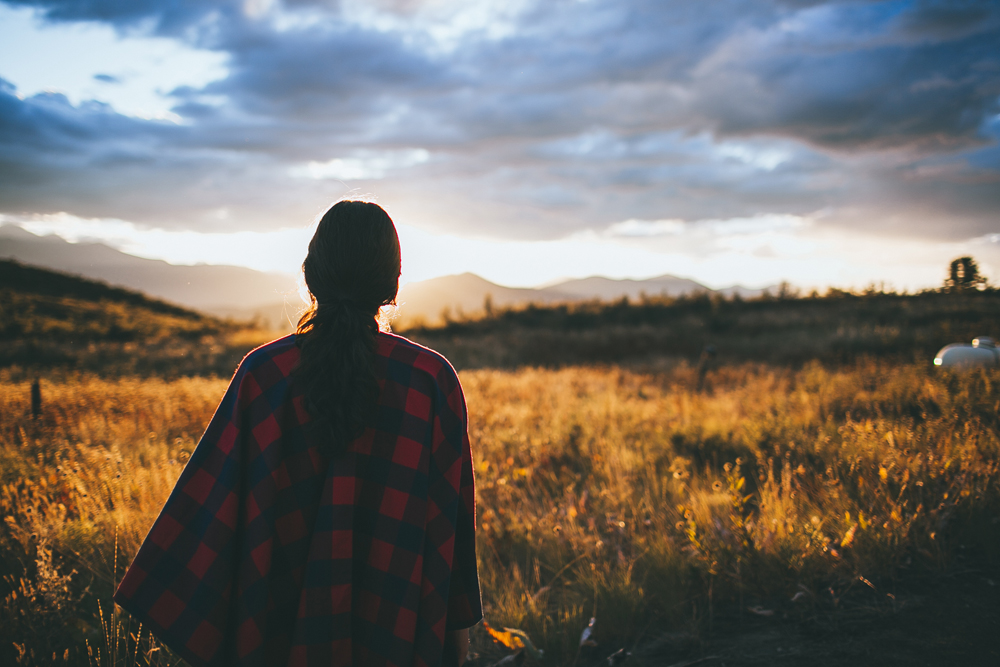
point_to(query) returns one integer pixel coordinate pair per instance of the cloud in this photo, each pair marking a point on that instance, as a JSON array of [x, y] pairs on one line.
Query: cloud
[[761, 235], [164, 17], [330, 74], [362, 166], [947, 20], [646, 228], [850, 78], [537, 120], [92, 162]]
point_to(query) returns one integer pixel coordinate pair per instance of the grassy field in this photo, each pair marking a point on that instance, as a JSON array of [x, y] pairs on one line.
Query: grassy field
[[634, 497], [815, 483]]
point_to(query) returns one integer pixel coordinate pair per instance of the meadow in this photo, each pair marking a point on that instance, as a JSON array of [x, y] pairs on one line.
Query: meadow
[[661, 508]]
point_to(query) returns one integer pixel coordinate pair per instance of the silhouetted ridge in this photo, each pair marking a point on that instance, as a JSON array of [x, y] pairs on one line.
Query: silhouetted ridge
[[44, 282]]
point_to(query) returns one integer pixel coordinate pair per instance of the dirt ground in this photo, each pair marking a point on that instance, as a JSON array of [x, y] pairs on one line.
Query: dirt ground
[[951, 619], [932, 619]]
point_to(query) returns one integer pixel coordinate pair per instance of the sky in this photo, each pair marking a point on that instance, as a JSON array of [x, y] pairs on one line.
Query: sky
[[836, 143]]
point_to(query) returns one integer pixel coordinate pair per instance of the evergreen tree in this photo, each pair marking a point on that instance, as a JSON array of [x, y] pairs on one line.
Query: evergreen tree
[[963, 275]]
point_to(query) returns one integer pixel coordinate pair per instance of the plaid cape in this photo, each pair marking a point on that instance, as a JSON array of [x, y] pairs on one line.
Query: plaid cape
[[268, 552]]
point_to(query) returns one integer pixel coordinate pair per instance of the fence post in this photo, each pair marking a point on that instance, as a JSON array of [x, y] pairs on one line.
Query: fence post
[[36, 399], [704, 361]]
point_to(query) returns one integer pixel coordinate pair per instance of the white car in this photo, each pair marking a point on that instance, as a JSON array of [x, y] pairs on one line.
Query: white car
[[983, 353]]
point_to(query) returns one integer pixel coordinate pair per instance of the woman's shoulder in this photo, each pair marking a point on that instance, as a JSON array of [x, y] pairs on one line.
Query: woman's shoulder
[[403, 350], [282, 353]]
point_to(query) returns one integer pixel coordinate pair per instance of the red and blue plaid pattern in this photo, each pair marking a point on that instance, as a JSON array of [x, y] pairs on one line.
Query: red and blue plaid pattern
[[268, 552]]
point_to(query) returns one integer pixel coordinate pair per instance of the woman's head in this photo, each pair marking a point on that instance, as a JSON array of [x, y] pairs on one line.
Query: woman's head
[[354, 257], [351, 270]]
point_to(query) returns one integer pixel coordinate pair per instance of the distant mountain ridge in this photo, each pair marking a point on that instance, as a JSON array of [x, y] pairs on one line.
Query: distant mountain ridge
[[610, 289], [466, 293], [242, 293]]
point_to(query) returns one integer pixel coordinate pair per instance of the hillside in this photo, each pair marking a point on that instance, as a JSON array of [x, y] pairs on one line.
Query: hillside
[[226, 291], [52, 319], [834, 329], [36, 302]]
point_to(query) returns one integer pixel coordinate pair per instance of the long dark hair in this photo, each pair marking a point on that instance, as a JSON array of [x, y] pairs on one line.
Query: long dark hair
[[351, 270]]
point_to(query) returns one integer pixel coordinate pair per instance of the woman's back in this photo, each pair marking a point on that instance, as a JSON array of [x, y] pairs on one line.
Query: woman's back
[[313, 528], [297, 558]]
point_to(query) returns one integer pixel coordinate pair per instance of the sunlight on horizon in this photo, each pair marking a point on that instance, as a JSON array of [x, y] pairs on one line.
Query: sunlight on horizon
[[751, 253]]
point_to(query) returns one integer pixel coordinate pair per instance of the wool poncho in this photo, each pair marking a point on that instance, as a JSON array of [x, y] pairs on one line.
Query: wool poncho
[[271, 552]]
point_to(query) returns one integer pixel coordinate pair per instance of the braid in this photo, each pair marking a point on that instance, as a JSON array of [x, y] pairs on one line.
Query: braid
[[352, 269]]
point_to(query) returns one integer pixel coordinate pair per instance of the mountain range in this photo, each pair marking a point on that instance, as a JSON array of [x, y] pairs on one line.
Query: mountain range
[[467, 293], [226, 291], [272, 298]]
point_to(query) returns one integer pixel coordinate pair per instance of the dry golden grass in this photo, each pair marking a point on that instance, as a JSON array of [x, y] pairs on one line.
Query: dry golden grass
[[602, 492], [94, 470], [655, 496]]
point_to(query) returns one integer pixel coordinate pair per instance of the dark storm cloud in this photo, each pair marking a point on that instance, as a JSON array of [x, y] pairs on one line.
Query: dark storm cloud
[[323, 71], [920, 81], [546, 118], [45, 136], [165, 16], [948, 20], [93, 162]]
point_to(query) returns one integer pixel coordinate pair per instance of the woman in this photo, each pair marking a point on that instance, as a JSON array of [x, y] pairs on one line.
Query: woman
[[327, 516]]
